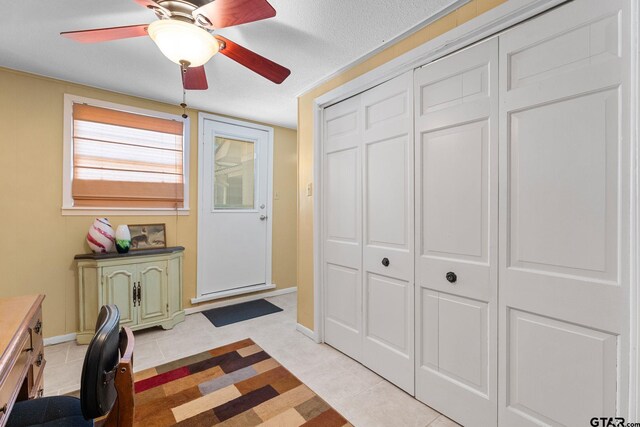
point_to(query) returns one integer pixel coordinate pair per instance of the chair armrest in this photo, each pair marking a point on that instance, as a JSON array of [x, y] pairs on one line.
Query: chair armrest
[[127, 342], [122, 413]]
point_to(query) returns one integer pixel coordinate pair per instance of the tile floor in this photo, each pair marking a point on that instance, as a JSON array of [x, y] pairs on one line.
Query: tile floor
[[361, 396]]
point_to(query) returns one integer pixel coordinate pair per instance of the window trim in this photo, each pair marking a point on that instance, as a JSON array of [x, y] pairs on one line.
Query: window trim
[[68, 207]]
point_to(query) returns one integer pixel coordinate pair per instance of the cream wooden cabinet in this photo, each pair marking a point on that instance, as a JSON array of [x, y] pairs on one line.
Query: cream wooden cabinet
[[146, 286]]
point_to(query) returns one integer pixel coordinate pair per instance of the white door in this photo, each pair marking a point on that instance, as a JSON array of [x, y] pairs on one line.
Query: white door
[[234, 224], [387, 177], [368, 229], [564, 209], [456, 110], [342, 227]]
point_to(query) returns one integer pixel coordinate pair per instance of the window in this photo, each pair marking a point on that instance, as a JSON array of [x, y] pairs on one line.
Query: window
[[234, 174], [123, 158]]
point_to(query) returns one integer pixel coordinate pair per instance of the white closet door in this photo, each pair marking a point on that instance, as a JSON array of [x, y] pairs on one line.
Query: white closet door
[[456, 110], [388, 320], [342, 231], [564, 209]]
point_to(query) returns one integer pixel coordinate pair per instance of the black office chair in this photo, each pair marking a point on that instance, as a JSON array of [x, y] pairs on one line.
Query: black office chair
[[106, 385]]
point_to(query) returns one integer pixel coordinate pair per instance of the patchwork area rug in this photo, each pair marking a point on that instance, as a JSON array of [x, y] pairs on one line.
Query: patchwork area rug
[[235, 385]]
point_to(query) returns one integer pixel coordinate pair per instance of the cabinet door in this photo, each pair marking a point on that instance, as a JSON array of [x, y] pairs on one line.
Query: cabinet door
[[153, 291], [119, 283]]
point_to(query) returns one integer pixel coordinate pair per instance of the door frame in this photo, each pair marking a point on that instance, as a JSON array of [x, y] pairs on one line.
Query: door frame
[[486, 25], [634, 359], [202, 119]]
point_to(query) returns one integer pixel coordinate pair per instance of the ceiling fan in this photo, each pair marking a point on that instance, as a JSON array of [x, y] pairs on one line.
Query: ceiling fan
[[184, 34]]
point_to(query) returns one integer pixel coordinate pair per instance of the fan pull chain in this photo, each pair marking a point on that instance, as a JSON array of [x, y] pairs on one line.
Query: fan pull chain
[[183, 68], [184, 104]]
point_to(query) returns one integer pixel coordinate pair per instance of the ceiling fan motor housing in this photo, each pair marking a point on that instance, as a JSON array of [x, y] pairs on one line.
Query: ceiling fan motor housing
[[181, 10], [175, 9]]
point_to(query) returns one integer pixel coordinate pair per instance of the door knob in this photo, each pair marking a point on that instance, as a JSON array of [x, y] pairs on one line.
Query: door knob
[[385, 262], [263, 217], [451, 277]]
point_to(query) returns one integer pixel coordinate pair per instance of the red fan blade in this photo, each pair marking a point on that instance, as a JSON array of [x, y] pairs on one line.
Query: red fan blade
[[107, 34], [226, 13], [194, 78], [259, 64]]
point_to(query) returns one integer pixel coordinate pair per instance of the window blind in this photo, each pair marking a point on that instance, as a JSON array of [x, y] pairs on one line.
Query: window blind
[[122, 159]]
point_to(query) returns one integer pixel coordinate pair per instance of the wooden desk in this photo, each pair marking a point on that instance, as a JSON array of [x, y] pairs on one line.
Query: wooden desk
[[21, 351]]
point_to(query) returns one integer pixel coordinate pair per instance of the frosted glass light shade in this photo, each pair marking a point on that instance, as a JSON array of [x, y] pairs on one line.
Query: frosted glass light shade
[[181, 41]]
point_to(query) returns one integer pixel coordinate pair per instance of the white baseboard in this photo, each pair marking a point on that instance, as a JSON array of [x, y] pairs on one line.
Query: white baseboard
[[307, 332], [71, 337], [60, 339], [232, 292], [254, 297]]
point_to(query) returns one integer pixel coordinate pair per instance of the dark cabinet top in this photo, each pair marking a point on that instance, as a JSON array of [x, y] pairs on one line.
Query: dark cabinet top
[[131, 254]]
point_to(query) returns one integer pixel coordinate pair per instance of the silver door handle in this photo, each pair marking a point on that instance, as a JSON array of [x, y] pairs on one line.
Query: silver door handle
[[263, 217]]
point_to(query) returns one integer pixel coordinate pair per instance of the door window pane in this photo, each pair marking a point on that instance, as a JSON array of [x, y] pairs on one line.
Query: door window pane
[[234, 174]]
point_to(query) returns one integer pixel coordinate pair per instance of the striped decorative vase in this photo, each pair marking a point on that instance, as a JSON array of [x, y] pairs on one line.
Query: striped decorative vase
[[123, 239], [100, 236]]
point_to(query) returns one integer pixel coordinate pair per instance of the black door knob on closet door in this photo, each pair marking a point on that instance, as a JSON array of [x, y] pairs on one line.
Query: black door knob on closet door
[[451, 277], [385, 262]]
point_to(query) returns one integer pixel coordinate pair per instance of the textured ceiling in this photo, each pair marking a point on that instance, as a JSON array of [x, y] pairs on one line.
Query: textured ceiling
[[313, 38]]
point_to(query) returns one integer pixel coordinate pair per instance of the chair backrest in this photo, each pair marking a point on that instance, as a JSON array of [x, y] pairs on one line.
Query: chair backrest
[[97, 389]]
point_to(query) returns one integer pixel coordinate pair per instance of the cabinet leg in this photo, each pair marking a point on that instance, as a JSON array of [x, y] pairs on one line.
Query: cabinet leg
[[170, 323]]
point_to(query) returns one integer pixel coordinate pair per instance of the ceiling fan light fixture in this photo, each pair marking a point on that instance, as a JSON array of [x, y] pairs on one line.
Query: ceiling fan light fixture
[[181, 41]]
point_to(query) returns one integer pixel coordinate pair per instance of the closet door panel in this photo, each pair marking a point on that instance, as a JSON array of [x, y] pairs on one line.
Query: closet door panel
[[466, 321], [564, 281], [342, 233], [547, 359], [342, 296], [456, 208], [388, 231], [385, 327], [387, 193], [459, 195]]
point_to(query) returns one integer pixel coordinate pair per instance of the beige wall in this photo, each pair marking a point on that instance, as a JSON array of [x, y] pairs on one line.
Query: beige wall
[[305, 138], [37, 243]]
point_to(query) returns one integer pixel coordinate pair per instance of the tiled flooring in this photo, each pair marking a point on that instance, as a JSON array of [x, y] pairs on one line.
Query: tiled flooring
[[361, 396]]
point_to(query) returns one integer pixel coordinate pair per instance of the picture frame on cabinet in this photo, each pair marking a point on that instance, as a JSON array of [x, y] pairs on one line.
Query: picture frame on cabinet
[[148, 236]]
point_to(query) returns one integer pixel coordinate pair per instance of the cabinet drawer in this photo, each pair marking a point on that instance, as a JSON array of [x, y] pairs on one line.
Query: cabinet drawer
[[36, 381], [36, 372], [13, 382], [37, 361], [35, 331]]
